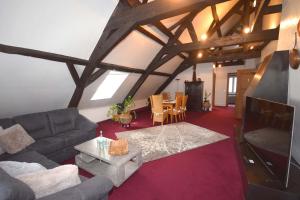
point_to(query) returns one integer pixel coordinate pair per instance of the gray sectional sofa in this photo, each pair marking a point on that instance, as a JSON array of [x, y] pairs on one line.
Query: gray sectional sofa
[[56, 133]]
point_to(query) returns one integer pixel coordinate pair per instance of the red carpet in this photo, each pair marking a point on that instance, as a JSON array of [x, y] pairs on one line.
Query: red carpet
[[211, 172]]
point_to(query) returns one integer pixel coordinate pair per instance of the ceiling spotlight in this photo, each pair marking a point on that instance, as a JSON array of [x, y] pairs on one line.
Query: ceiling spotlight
[[254, 4], [246, 30], [203, 36], [200, 55], [219, 65], [251, 47], [214, 65], [212, 48]]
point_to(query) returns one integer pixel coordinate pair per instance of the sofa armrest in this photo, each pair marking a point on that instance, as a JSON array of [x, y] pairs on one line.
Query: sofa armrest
[[83, 123], [96, 188]]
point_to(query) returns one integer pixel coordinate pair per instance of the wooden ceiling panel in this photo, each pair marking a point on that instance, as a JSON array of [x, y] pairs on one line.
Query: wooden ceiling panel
[[275, 2], [172, 20], [155, 31], [225, 28], [203, 21], [185, 37], [223, 8], [171, 65], [271, 21]]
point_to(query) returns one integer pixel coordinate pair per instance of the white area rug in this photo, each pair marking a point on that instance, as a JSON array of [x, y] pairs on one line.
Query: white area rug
[[162, 141]]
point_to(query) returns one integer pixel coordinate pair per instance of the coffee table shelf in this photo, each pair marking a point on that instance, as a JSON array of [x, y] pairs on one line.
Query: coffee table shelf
[[97, 161]]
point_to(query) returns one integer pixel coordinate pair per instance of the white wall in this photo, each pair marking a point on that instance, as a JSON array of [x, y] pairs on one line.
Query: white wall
[[70, 27], [205, 72], [289, 20]]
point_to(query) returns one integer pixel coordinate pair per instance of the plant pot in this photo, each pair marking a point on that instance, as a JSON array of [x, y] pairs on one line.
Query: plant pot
[[116, 118], [206, 105], [125, 118]]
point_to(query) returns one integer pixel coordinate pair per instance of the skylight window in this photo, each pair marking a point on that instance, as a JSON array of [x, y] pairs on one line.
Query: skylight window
[[110, 85]]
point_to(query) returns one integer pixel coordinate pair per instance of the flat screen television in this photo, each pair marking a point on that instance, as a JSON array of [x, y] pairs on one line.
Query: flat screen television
[[268, 129]]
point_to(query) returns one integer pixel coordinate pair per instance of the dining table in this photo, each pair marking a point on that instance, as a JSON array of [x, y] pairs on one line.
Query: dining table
[[169, 105]]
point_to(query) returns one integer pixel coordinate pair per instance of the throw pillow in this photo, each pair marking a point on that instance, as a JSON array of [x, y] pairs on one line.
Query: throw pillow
[[14, 168], [44, 183], [15, 139], [1, 149]]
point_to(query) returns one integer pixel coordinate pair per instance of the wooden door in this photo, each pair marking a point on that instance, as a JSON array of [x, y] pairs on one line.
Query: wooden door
[[244, 78]]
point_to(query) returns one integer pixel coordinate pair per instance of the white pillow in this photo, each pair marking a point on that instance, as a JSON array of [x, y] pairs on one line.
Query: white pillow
[[1, 149], [15, 139], [14, 168], [44, 183]]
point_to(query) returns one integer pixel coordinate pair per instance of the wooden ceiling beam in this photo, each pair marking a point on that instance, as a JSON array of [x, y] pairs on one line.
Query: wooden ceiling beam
[[161, 57], [73, 73], [150, 35], [41, 54], [216, 19], [184, 65], [227, 41], [229, 14], [257, 21], [272, 9], [157, 10]]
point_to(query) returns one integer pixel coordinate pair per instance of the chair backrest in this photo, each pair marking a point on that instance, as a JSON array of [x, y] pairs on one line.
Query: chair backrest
[[184, 100], [178, 102], [178, 94], [166, 95], [151, 102], [157, 103]]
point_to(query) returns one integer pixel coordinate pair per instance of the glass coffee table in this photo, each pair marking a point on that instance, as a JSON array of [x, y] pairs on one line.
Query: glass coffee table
[[95, 159]]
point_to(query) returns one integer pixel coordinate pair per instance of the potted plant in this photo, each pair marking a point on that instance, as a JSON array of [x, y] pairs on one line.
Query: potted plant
[[114, 111], [122, 112], [206, 103], [125, 116]]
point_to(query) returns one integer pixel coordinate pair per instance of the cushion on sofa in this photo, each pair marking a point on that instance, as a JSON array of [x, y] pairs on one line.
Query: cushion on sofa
[[47, 145], [14, 189], [30, 156], [15, 139], [50, 181], [1, 149], [63, 120], [36, 124], [75, 137], [15, 168]]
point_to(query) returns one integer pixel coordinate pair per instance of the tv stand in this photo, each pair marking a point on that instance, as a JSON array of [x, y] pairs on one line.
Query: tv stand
[[257, 173]]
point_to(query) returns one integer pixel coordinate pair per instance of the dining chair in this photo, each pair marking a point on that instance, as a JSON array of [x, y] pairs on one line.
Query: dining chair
[[178, 94], [151, 103], [159, 114], [183, 106], [176, 111], [166, 96]]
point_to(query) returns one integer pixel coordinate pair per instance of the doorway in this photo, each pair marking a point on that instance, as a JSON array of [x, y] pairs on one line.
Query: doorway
[[231, 89]]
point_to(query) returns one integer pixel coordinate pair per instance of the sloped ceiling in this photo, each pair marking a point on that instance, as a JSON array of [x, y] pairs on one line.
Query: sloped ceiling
[[135, 51], [149, 87], [70, 27], [120, 94]]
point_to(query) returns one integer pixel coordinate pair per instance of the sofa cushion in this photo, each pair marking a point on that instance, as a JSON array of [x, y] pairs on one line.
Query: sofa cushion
[[75, 137], [36, 124], [6, 123], [47, 182], [13, 189], [63, 120], [47, 145], [15, 139], [29, 156]]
